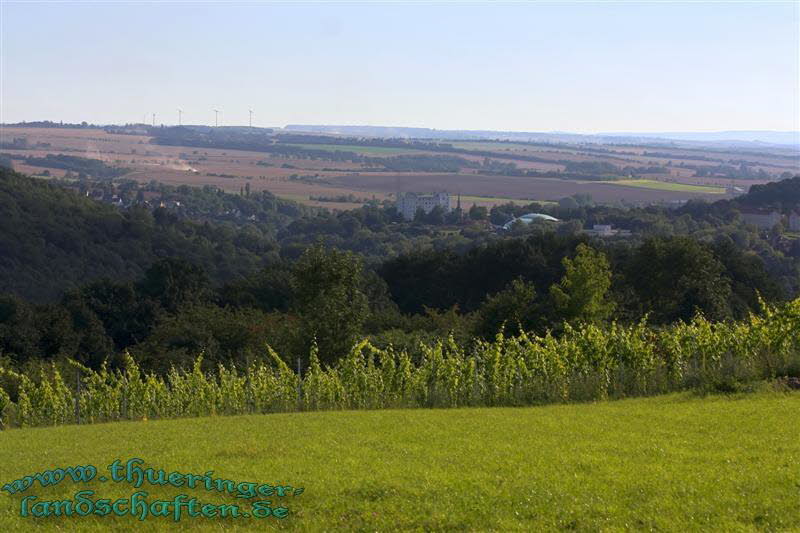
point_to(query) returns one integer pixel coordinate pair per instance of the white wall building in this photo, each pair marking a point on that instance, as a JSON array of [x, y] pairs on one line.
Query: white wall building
[[607, 230], [408, 203], [761, 219]]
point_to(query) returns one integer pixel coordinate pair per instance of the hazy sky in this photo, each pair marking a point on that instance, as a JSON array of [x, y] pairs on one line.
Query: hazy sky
[[583, 67]]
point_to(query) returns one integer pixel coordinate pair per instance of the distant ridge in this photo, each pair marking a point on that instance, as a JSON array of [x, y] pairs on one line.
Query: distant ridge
[[749, 136], [785, 138]]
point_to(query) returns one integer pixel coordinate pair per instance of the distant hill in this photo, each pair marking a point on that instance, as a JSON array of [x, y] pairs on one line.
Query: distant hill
[[746, 138], [731, 137]]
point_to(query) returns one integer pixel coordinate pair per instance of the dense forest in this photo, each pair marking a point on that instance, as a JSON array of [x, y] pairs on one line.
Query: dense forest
[[223, 274]]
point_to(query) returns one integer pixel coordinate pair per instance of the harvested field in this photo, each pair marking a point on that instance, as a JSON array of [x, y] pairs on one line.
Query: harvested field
[[366, 150], [280, 186], [506, 187], [299, 178]]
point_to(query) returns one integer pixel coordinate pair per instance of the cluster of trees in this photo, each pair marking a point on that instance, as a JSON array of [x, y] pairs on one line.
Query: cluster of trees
[[591, 167], [741, 171], [52, 239], [382, 142], [667, 278], [173, 312], [330, 299], [51, 124], [84, 167], [783, 195], [342, 198]]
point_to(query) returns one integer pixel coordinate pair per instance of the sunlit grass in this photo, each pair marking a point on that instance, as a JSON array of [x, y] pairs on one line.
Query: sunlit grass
[[667, 186], [670, 463], [500, 200]]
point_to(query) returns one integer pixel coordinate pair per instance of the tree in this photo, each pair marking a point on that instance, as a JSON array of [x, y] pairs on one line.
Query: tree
[[224, 335], [126, 317], [93, 344], [267, 290], [454, 217], [513, 307], [499, 215], [570, 227], [568, 202], [478, 212], [328, 298], [175, 283], [19, 335], [675, 278], [582, 293], [436, 216]]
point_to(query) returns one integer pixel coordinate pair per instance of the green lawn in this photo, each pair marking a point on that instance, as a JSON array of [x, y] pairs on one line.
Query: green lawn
[[500, 200], [666, 186], [671, 463]]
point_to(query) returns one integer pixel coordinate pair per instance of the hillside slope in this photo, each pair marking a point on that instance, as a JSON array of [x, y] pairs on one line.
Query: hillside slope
[[52, 239]]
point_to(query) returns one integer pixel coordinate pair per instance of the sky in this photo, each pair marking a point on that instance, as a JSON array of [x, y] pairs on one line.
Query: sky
[[577, 67]]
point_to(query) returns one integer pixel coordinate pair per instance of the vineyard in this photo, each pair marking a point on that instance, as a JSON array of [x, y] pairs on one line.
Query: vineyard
[[583, 363]]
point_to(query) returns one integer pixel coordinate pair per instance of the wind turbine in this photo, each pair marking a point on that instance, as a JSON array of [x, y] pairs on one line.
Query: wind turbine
[[180, 112], [251, 118], [216, 118]]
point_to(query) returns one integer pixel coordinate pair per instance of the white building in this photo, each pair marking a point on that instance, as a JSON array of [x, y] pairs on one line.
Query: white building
[[530, 217], [761, 219], [607, 230], [603, 230], [409, 203]]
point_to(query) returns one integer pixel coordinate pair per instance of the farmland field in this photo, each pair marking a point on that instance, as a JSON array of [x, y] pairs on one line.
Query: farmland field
[[367, 150], [520, 188], [488, 201], [668, 186], [671, 463], [230, 169]]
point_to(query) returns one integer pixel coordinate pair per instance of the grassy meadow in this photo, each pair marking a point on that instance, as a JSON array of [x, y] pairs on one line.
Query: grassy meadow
[[667, 186], [489, 201], [677, 462]]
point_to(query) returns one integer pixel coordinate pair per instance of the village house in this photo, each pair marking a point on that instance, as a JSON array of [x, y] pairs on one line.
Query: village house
[[761, 219], [607, 230]]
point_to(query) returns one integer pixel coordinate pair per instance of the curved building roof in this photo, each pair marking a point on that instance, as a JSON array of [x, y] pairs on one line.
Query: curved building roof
[[530, 217]]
